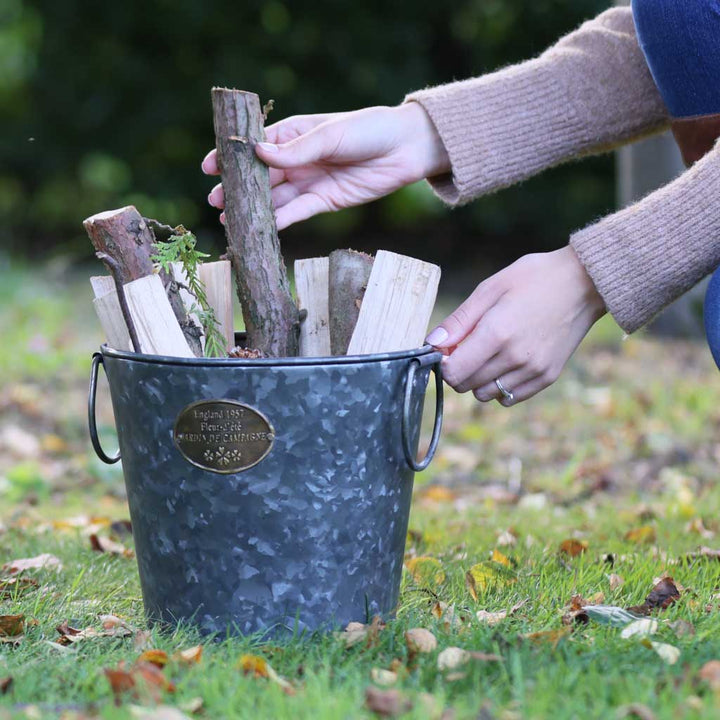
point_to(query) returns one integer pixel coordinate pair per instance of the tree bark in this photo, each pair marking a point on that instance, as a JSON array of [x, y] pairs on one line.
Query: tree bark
[[347, 281], [124, 236], [270, 314]]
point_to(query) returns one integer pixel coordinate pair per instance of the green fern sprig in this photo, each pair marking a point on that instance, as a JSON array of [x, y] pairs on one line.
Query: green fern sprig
[[180, 247]]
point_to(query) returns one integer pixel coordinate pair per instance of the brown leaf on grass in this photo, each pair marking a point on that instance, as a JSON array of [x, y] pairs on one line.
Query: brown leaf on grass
[[15, 586], [498, 557], [616, 581], [550, 637], [702, 553], [190, 656], [643, 535], [574, 612], [158, 658], [420, 640], [573, 547], [452, 658], [159, 712], [121, 528], [383, 677], [121, 681], [120, 627], [356, 632], [484, 575], [12, 625], [106, 545], [493, 618], [635, 710], [112, 627], [140, 679], [260, 668], [46, 561], [153, 676], [426, 571], [5, 684], [710, 673], [141, 641], [386, 703], [664, 594]]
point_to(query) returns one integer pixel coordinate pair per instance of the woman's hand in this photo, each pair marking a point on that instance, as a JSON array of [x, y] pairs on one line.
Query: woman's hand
[[519, 326], [320, 163]]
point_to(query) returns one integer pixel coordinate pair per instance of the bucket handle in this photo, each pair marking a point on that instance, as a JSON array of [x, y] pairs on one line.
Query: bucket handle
[[415, 364], [97, 361]]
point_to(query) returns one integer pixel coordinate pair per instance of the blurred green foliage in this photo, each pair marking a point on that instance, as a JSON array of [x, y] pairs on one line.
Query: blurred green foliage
[[105, 104]]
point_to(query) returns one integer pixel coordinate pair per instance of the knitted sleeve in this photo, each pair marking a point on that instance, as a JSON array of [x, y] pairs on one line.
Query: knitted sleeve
[[647, 255], [589, 92]]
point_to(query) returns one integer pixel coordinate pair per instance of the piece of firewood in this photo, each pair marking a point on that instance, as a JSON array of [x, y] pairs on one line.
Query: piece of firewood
[[271, 317], [124, 237], [217, 279], [107, 307], [349, 271], [311, 287], [158, 330], [102, 285], [398, 302]]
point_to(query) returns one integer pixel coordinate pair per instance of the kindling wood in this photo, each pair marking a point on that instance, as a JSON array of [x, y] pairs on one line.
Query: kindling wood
[[217, 279], [398, 302], [311, 287]]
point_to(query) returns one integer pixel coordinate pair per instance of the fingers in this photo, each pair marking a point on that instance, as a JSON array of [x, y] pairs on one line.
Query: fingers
[[209, 164], [318, 144], [283, 194], [216, 197], [457, 326], [301, 208]]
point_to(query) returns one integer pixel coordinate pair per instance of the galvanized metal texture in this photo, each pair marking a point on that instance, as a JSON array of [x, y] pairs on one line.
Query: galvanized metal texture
[[313, 535]]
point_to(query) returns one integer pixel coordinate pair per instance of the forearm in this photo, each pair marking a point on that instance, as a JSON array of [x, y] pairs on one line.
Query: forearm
[[644, 257], [589, 92]]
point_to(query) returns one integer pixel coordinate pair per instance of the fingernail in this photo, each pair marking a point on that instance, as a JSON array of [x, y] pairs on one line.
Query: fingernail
[[222, 218], [210, 199], [205, 159], [437, 337], [268, 147]]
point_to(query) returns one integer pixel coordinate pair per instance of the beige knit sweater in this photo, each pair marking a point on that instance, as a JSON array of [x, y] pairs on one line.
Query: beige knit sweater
[[590, 92]]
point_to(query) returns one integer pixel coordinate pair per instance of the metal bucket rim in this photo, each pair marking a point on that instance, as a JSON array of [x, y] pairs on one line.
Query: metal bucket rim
[[266, 362]]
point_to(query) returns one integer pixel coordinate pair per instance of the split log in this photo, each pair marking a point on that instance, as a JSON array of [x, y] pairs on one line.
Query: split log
[[158, 330], [124, 237], [349, 272], [217, 279], [271, 317], [398, 302], [102, 285], [107, 307], [311, 287]]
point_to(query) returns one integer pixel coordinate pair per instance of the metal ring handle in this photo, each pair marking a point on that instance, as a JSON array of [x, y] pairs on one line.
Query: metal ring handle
[[97, 360], [415, 364]]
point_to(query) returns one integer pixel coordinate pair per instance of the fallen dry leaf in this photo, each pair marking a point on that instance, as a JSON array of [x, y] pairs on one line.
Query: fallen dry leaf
[[190, 656], [682, 628], [159, 712], [106, 545], [551, 637], [498, 557], [383, 677], [420, 640], [15, 586], [573, 547], [710, 673], [491, 618], [5, 684], [640, 628], [507, 538], [426, 571], [142, 678], [635, 710], [664, 594], [437, 493], [12, 625], [156, 657], [452, 658], [616, 581], [387, 703], [697, 526], [485, 575], [45, 561], [260, 668], [645, 534], [669, 653]]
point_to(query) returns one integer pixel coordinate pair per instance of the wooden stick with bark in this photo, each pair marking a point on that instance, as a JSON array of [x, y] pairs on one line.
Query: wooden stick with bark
[[270, 314], [124, 236]]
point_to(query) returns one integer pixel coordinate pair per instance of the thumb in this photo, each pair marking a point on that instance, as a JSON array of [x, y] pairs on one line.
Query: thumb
[[459, 324], [318, 144]]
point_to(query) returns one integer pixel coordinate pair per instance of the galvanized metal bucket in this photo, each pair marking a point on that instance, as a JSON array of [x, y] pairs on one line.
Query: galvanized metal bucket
[[268, 495]]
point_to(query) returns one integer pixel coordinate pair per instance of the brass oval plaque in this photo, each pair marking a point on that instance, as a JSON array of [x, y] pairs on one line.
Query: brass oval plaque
[[223, 436]]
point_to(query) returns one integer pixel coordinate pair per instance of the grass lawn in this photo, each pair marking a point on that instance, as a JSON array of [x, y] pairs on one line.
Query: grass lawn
[[586, 495]]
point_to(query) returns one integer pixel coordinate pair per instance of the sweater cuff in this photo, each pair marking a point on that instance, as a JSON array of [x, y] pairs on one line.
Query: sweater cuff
[[644, 257], [491, 127]]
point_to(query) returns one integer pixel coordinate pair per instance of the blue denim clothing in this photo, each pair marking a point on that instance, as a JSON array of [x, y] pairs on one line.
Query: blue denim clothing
[[681, 42]]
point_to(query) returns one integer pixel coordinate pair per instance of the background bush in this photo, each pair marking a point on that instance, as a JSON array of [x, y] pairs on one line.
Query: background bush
[[105, 104]]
